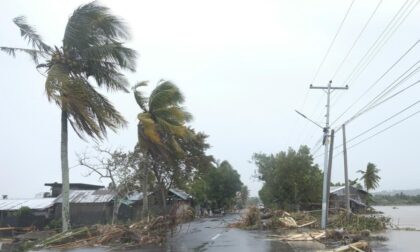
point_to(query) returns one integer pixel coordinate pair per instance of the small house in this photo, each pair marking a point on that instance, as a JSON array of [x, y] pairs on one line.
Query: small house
[[88, 206], [26, 212], [358, 198]]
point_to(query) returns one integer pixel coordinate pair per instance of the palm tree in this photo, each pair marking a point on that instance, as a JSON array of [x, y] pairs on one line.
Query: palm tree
[[370, 177], [161, 124], [92, 52]]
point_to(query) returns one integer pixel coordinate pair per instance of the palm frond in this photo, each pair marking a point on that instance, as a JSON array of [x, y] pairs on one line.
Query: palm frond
[[138, 95], [113, 53], [165, 94], [89, 112], [108, 77], [93, 24], [30, 34], [58, 76], [34, 54], [174, 114], [149, 128]]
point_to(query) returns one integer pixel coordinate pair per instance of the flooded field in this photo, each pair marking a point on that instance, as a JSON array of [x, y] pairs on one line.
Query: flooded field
[[404, 217]]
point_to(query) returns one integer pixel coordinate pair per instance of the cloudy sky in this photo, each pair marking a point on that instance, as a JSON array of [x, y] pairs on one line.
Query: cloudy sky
[[244, 67]]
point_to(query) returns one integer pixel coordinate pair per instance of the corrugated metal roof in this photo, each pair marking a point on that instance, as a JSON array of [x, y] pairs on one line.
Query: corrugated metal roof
[[135, 196], [16, 204], [88, 196], [334, 189], [180, 193]]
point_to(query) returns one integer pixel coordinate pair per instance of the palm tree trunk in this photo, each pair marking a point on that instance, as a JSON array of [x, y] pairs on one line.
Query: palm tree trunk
[[65, 206], [145, 212]]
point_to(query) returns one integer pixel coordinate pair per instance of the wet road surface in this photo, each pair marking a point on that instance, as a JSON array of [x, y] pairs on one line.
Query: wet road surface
[[212, 234]]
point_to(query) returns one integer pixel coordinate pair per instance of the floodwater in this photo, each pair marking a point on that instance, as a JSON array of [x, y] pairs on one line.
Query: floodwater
[[212, 235], [403, 217]]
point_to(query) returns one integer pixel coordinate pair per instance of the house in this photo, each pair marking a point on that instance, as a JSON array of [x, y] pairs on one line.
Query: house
[[358, 198], [26, 212], [178, 195], [56, 188], [88, 206], [175, 196]]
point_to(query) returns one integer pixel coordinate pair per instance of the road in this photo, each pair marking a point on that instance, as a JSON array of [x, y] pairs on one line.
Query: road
[[212, 234]]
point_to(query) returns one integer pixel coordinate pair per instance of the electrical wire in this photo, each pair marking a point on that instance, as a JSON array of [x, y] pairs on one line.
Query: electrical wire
[[379, 103], [378, 45], [356, 40], [379, 132], [333, 41], [377, 41], [377, 81]]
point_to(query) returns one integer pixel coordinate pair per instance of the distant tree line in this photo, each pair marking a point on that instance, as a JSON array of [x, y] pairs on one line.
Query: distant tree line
[[395, 199]]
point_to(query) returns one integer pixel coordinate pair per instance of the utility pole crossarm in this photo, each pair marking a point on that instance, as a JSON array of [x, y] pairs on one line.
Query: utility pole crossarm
[[332, 88]]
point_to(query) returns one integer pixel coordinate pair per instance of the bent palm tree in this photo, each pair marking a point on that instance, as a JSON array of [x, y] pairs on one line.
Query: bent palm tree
[[92, 50], [370, 177], [161, 124]]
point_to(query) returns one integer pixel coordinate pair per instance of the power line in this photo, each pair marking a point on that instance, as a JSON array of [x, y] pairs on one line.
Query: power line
[[391, 32], [392, 86], [377, 81], [380, 42], [376, 42], [357, 39], [377, 104], [332, 42], [379, 132], [380, 123]]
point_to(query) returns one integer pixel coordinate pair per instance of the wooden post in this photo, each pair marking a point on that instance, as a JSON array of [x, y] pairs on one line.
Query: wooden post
[[346, 176]]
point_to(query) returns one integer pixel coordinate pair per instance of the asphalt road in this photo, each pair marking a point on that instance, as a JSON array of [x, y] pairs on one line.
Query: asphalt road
[[212, 234]]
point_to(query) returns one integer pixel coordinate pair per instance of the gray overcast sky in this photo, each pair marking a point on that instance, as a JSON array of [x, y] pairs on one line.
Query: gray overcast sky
[[244, 66]]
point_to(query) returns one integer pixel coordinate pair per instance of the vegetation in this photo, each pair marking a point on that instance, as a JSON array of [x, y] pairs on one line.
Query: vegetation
[[370, 178], [291, 179], [173, 149], [92, 52], [218, 187], [355, 223], [396, 199]]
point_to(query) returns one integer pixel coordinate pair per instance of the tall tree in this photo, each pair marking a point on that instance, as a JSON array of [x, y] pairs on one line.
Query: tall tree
[[223, 182], [92, 53], [162, 123], [291, 179], [370, 177]]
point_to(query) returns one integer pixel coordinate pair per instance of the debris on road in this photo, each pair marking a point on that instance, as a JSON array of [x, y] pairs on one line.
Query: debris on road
[[305, 236], [139, 233]]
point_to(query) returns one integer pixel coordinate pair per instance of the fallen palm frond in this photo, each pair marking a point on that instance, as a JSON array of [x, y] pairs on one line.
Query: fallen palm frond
[[356, 222], [306, 236], [139, 233], [360, 246]]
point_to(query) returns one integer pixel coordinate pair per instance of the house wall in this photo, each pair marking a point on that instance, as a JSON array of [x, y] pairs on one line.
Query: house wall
[[87, 213], [338, 199], [36, 218]]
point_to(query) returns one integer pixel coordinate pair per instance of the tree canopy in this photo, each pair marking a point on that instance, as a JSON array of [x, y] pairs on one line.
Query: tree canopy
[[291, 179]]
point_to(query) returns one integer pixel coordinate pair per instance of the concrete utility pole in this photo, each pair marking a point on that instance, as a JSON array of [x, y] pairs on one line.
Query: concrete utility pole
[[330, 159], [328, 89], [346, 175]]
